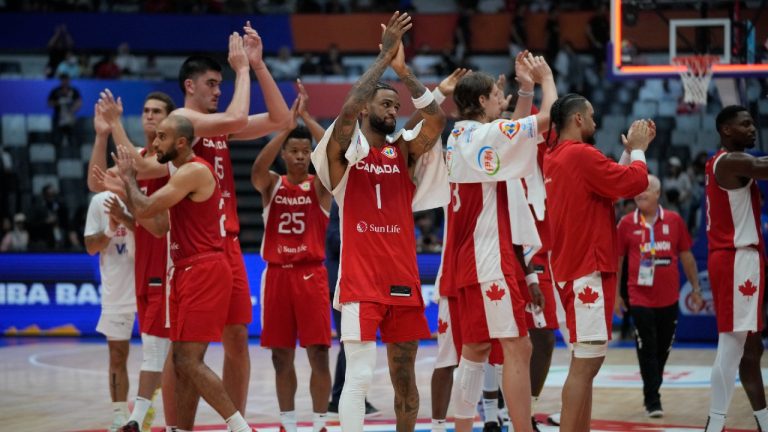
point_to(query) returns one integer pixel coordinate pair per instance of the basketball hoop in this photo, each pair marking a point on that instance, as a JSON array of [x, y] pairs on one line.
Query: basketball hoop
[[696, 76]]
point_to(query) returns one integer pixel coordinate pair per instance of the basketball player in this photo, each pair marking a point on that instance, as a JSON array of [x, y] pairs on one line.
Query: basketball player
[[201, 282], [371, 178], [581, 185], [113, 242], [200, 81], [483, 153], [151, 263], [736, 264], [295, 283]]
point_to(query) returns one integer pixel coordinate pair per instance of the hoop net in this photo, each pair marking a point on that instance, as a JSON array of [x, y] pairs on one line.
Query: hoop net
[[696, 76]]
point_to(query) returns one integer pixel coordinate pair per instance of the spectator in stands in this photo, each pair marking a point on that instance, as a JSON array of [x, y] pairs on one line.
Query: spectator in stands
[[331, 63], [17, 239], [569, 71], [125, 61], [423, 62], [447, 64], [283, 67], [65, 101], [552, 30], [677, 187], [49, 221], [308, 66], [696, 172], [106, 68], [60, 43], [70, 66], [84, 61], [598, 33], [151, 70], [9, 194]]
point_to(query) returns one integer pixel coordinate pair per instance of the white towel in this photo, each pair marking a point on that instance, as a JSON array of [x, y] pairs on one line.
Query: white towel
[[430, 173], [537, 193], [521, 220]]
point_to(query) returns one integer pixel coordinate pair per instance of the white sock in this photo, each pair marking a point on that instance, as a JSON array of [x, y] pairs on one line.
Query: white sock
[[762, 419], [491, 409], [730, 348], [120, 409], [288, 420], [171, 429], [318, 421], [237, 423], [715, 423], [140, 408], [534, 401], [438, 425]]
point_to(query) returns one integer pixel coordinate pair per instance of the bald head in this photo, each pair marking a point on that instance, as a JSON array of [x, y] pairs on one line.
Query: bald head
[[654, 184], [181, 127], [648, 201]]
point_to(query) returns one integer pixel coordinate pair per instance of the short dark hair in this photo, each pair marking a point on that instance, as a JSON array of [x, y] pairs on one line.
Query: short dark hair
[[299, 132], [182, 127], [467, 93], [381, 85], [194, 66], [562, 109], [162, 97], [727, 114]]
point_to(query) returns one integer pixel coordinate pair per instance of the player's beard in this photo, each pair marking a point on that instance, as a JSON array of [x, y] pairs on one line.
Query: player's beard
[[379, 124], [169, 156]]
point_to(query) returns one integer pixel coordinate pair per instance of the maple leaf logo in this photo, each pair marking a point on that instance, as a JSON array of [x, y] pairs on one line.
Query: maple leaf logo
[[588, 295], [748, 288], [442, 326], [495, 293]]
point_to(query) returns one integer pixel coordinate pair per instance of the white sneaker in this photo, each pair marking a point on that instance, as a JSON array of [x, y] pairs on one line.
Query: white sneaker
[[118, 422], [554, 418], [657, 413]]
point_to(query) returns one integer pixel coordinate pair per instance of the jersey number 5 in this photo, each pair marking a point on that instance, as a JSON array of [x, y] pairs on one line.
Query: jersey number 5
[[291, 223], [218, 166]]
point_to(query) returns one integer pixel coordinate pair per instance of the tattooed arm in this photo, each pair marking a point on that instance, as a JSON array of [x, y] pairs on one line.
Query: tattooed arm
[[434, 118], [361, 93]]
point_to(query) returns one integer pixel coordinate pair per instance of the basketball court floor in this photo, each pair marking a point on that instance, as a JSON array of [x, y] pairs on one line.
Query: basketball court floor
[[61, 384]]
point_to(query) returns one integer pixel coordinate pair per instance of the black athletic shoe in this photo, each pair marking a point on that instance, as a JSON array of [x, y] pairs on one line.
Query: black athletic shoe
[[333, 410], [132, 426], [491, 427], [535, 425], [370, 410]]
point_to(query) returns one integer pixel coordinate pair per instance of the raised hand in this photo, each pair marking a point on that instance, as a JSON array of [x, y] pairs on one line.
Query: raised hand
[[237, 57], [501, 83], [303, 109], [110, 181], [100, 124], [540, 70], [398, 61], [523, 71], [254, 48], [448, 84], [124, 164], [295, 112], [111, 108], [116, 211], [392, 33], [640, 135]]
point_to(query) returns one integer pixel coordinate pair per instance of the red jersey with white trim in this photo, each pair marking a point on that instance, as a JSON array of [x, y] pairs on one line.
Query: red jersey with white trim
[[215, 151], [151, 259], [733, 215], [582, 185], [294, 224], [670, 237], [378, 245], [198, 227]]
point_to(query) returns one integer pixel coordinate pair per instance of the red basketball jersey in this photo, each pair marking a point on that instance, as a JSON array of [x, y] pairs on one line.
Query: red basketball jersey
[[294, 224], [198, 227], [733, 216], [215, 151], [378, 244], [151, 253]]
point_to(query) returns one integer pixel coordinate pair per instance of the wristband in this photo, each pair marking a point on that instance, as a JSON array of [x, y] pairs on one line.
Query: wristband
[[531, 278], [424, 100], [108, 232], [523, 93], [439, 96], [637, 155]]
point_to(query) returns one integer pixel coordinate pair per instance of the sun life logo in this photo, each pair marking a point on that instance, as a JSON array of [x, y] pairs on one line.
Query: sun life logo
[[362, 227], [488, 160]]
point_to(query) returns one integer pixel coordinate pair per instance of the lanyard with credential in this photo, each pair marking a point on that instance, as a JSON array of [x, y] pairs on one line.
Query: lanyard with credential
[[647, 261], [652, 235]]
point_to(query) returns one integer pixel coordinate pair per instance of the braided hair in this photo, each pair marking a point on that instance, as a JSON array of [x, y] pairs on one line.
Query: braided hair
[[561, 110]]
